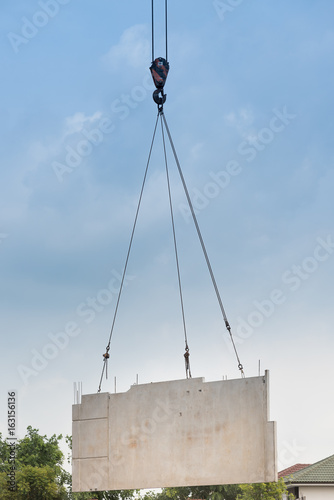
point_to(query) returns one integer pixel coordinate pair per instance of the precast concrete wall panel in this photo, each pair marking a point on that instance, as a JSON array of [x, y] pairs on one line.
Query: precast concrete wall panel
[[178, 433]]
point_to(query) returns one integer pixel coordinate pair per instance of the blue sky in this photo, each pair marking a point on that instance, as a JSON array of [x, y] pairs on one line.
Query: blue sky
[[250, 109]]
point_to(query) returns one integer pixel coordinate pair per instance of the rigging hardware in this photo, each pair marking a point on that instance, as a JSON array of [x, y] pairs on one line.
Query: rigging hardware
[[159, 71], [160, 66]]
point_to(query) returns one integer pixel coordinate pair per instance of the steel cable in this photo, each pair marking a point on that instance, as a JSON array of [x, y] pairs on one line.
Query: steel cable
[[106, 355], [228, 327], [188, 371]]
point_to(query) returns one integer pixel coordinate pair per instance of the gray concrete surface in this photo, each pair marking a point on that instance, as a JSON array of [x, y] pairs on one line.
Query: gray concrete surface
[[177, 433]]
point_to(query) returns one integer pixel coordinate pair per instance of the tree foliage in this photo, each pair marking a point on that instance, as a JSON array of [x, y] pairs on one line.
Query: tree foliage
[[227, 492], [39, 483], [263, 491], [37, 469], [39, 451], [104, 495]]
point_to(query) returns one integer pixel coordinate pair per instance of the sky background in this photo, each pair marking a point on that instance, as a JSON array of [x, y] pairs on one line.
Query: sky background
[[250, 109]]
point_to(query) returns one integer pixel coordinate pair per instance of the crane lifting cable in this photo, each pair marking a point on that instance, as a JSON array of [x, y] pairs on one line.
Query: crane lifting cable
[[160, 65], [228, 327], [159, 71], [186, 354], [106, 354]]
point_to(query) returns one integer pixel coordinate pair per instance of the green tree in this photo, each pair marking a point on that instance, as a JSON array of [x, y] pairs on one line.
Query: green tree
[[39, 451], [104, 495], [4, 455], [5, 493], [227, 492], [263, 491], [38, 468], [39, 483]]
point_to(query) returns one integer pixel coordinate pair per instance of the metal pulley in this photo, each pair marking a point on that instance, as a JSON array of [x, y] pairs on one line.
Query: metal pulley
[[159, 71]]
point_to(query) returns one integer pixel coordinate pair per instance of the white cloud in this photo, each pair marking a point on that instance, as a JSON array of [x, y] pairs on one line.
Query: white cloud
[[132, 50], [196, 151], [240, 120], [76, 122], [39, 152], [312, 49]]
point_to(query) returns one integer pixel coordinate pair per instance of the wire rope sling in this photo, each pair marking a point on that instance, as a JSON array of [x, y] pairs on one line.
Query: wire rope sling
[[159, 71]]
